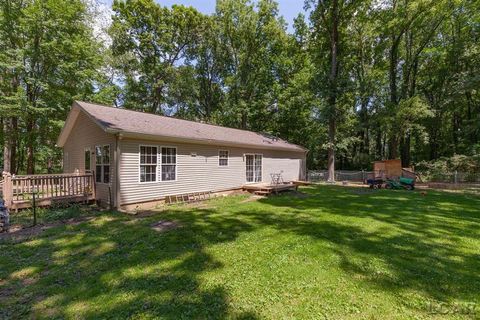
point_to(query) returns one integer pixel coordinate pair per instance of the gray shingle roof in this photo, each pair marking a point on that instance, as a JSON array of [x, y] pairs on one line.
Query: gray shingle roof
[[117, 120]]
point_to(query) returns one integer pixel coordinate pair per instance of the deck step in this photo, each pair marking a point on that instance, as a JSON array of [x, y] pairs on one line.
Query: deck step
[[262, 192]]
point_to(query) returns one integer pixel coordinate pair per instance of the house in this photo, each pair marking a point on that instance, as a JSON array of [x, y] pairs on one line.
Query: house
[[140, 158]]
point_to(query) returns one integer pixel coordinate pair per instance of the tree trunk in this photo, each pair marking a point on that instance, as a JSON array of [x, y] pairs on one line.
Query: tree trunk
[[405, 146], [30, 146], [14, 146], [10, 145], [393, 147], [331, 150], [7, 147], [332, 101], [379, 145], [244, 120], [393, 141], [456, 128], [49, 165]]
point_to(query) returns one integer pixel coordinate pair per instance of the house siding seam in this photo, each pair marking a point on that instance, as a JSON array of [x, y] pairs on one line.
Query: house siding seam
[[87, 134], [200, 173]]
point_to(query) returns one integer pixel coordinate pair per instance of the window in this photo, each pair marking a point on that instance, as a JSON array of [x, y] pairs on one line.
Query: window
[[87, 160], [102, 160], [148, 163], [223, 158], [253, 164], [169, 164]]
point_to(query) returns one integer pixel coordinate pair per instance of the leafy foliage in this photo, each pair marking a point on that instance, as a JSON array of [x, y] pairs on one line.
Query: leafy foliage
[[355, 81]]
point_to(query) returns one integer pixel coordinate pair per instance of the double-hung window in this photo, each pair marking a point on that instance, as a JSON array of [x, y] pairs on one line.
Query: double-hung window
[[169, 164], [148, 163], [223, 158], [102, 164]]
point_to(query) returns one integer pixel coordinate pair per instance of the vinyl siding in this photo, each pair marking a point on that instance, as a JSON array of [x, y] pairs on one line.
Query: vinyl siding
[[200, 173], [87, 134]]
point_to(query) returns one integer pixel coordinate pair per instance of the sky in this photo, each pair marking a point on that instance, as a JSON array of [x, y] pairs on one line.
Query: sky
[[289, 9]]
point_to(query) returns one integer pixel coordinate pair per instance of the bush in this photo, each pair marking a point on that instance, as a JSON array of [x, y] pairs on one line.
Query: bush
[[443, 169]]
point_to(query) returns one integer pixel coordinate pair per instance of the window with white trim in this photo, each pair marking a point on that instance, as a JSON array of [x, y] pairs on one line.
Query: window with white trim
[[102, 164], [223, 158], [148, 163], [169, 164]]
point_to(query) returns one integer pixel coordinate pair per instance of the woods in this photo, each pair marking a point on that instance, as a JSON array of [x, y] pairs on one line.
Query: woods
[[352, 81]]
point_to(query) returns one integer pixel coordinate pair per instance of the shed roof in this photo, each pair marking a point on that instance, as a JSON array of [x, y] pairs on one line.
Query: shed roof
[[137, 124]]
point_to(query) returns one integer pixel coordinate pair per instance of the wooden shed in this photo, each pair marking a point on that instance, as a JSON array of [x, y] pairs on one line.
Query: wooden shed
[[388, 169]]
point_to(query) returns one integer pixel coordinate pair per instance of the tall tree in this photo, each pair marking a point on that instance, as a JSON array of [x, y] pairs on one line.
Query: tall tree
[[150, 41], [50, 58], [329, 19], [252, 39]]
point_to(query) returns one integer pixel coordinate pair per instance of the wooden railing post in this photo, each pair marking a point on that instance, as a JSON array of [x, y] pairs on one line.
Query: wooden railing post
[[93, 186], [7, 189]]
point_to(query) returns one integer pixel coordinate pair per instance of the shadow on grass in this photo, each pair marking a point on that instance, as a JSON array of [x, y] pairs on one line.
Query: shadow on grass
[[424, 240], [117, 266]]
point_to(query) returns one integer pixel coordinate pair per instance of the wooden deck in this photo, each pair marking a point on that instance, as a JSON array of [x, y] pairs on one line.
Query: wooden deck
[[266, 189], [21, 192]]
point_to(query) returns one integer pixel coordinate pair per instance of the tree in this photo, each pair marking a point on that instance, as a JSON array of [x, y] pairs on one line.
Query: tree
[[50, 57], [329, 18], [251, 41], [150, 40]]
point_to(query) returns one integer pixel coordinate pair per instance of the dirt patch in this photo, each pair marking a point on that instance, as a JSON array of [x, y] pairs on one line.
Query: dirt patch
[[238, 193], [164, 225], [19, 233], [144, 214]]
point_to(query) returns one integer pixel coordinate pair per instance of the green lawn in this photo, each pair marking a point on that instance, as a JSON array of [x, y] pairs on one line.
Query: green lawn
[[331, 252]]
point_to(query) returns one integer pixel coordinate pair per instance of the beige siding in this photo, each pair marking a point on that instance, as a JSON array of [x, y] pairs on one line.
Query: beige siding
[[87, 134], [200, 173]]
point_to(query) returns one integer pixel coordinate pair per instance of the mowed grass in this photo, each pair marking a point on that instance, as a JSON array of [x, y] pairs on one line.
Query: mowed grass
[[330, 253]]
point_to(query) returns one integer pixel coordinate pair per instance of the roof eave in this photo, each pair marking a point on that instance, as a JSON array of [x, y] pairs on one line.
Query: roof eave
[[136, 135]]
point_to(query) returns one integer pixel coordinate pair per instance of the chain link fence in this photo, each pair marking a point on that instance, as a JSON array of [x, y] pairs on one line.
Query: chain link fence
[[426, 177], [340, 175], [450, 177]]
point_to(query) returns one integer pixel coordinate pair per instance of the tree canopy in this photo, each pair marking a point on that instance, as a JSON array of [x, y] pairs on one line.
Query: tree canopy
[[354, 81]]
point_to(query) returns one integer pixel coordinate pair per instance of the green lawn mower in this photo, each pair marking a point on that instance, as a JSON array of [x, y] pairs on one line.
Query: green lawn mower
[[402, 183]]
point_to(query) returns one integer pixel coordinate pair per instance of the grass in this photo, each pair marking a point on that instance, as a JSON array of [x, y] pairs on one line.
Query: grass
[[331, 253]]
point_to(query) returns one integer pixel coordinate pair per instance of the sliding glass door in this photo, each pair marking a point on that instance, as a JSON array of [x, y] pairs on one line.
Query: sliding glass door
[[253, 163]]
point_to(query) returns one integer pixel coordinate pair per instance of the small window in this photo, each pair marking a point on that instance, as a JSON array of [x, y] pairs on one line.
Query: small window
[[87, 159], [148, 163], [169, 164], [102, 164], [223, 158]]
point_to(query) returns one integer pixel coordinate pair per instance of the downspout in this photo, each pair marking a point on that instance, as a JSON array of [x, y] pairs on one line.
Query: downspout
[[118, 137]]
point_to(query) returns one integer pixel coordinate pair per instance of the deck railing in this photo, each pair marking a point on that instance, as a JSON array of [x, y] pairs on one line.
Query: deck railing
[[20, 191]]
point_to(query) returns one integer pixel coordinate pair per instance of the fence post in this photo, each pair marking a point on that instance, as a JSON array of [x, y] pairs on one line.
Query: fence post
[[93, 186], [363, 176], [7, 189], [456, 177]]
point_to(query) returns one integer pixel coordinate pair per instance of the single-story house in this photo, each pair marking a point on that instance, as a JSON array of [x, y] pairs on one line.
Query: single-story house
[[142, 158]]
